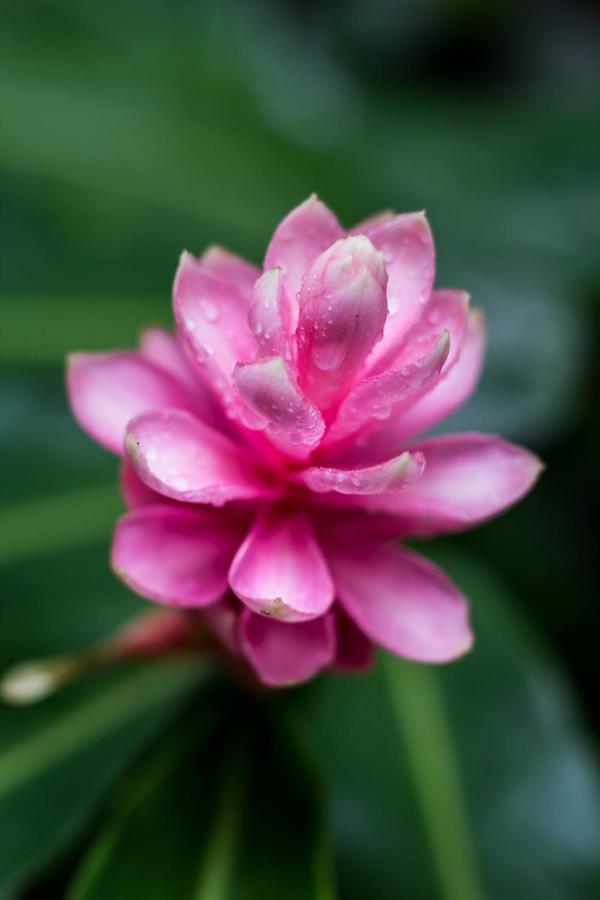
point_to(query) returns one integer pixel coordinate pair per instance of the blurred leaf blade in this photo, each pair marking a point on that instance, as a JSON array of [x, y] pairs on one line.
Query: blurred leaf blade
[[216, 872], [527, 779], [422, 719], [58, 760], [51, 524], [220, 811]]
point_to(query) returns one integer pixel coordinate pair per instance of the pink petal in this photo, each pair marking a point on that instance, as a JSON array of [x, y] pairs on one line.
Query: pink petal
[[305, 233], [444, 311], [280, 571], [377, 397], [212, 318], [468, 478], [292, 422], [135, 492], [448, 394], [453, 389], [343, 309], [284, 654], [407, 245], [354, 649], [269, 315], [165, 351], [178, 456], [107, 389], [392, 475], [175, 556], [402, 602], [230, 268]]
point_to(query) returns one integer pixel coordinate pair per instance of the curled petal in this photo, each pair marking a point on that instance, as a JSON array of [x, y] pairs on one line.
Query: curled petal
[[453, 389], [343, 309], [447, 395], [468, 478], [290, 419], [232, 269], [212, 319], [407, 246], [178, 456], [174, 555], [392, 475], [268, 316], [107, 389], [375, 398], [402, 602], [445, 311], [280, 571], [305, 233], [284, 654]]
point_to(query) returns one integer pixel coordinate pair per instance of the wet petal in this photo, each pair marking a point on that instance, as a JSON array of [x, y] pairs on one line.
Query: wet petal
[[280, 571], [343, 309], [305, 233], [402, 602], [212, 318], [228, 267], [284, 654], [269, 315], [107, 389], [377, 397], [454, 388], [178, 556], [178, 456], [468, 478], [292, 422], [165, 351], [392, 475], [407, 246], [445, 311]]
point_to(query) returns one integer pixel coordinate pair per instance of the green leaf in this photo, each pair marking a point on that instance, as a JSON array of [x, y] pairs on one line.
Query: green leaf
[[71, 323], [66, 521], [58, 760], [431, 758], [468, 781], [236, 818]]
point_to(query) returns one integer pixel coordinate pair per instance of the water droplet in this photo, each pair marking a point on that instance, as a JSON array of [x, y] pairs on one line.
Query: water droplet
[[209, 310], [381, 412]]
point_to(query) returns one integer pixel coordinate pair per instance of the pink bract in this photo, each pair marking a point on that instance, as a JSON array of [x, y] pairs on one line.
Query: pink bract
[[271, 446]]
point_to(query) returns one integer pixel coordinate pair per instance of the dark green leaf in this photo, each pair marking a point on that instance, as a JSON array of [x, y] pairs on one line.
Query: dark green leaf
[[472, 780], [57, 760], [238, 818]]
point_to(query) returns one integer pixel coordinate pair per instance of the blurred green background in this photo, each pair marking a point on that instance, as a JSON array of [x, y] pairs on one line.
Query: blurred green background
[[131, 130]]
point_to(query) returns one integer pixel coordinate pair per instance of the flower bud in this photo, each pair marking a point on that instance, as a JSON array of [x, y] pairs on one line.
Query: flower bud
[[343, 309]]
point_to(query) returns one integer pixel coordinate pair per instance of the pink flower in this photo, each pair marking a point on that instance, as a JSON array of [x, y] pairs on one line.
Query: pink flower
[[270, 457]]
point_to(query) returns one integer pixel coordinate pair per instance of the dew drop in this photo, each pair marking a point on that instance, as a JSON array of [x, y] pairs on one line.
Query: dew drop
[[209, 310]]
